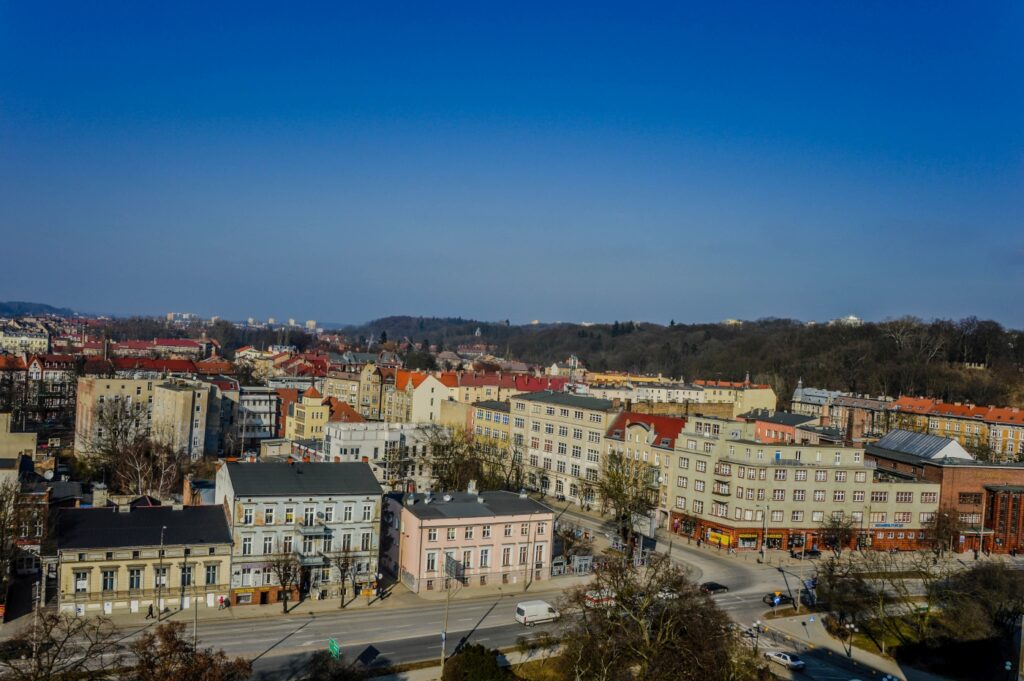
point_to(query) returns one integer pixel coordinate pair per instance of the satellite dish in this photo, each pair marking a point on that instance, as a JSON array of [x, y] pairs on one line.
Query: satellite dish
[[48, 475]]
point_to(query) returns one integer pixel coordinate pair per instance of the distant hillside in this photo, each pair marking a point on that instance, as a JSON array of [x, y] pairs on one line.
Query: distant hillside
[[17, 308], [970, 359]]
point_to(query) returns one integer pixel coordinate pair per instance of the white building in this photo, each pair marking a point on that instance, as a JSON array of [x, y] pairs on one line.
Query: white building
[[395, 452], [323, 514]]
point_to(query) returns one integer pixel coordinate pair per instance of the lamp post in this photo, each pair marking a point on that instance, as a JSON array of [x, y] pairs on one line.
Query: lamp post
[[757, 634], [851, 629], [160, 576], [764, 530]]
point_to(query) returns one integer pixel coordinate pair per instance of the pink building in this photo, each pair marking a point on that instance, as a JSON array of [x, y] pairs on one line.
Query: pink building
[[483, 538]]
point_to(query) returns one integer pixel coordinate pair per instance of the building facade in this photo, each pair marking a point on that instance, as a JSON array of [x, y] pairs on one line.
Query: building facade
[[315, 519], [477, 539]]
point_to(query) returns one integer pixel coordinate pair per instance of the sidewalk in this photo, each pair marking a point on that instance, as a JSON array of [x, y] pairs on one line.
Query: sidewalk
[[398, 597], [807, 636], [434, 673]]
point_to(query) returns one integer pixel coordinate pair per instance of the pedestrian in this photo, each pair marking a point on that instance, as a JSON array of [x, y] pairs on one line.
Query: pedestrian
[[220, 603], [149, 613]]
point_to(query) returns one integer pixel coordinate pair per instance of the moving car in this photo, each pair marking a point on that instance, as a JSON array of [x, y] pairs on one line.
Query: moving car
[[599, 599], [809, 554], [535, 612], [713, 588], [787, 660], [784, 599]]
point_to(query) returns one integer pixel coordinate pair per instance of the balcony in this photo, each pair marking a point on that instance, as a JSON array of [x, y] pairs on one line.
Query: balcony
[[313, 559], [314, 530]]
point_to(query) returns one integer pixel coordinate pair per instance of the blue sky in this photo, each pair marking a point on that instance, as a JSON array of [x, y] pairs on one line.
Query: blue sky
[[559, 161]]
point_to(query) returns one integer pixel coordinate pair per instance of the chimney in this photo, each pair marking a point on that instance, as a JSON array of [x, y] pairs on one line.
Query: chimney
[[99, 495]]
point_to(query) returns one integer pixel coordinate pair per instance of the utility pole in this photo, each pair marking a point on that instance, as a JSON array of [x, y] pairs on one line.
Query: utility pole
[[195, 607], [160, 577]]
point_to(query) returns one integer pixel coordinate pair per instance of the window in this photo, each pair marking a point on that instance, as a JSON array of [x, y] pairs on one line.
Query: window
[[799, 494], [860, 476], [681, 482], [817, 516], [364, 543], [970, 498], [574, 470], [698, 506], [487, 531], [268, 516], [134, 578], [506, 556], [432, 534], [211, 574], [186, 575], [508, 530], [247, 516], [308, 515], [485, 558], [524, 529], [797, 516], [289, 515], [776, 516], [563, 431], [451, 533], [879, 497], [820, 476], [904, 497], [328, 514], [840, 476], [819, 495], [593, 436], [328, 543], [307, 545], [431, 562], [681, 502], [348, 513], [901, 517], [925, 518], [684, 462], [800, 476], [268, 544], [286, 544], [858, 496], [879, 517], [698, 485], [468, 534], [246, 546], [778, 495], [702, 466], [160, 576], [81, 581], [929, 497], [839, 496], [780, 474]]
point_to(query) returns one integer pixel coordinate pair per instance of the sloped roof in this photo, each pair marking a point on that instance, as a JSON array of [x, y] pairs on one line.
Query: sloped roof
[[312, 392], [922, 445], [466, 505], [665, 427], [108, 528], [277, 479]]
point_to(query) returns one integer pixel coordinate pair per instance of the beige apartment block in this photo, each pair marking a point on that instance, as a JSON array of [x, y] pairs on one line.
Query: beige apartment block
[[560, 435], [726, 488], [343, 386], [180, 414], [94, 392]]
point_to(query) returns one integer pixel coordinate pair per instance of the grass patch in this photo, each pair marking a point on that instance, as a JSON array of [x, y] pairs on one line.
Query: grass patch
[[537, 670]]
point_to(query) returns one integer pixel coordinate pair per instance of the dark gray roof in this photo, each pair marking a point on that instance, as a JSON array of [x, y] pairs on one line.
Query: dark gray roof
[[298, 479], [493, 405], [466, 505], [567, 400], [108, 528], [783, 418], [921, 445]]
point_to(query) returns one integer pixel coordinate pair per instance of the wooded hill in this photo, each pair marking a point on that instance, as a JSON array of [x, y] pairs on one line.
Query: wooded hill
[[966, 360]]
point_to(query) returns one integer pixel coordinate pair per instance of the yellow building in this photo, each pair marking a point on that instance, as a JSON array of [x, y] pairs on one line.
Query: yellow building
[[125, 560], [94, 392], [13, 445], [343, 386], [307, 417]]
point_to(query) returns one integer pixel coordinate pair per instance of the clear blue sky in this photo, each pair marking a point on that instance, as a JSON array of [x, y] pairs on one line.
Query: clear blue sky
[[560, 161]]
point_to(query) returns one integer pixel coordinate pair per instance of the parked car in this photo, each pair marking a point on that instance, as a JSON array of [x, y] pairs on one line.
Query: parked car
[[784, 599], [535, 612], [809, 554], [602, 598], [713, 588], [787, 660]]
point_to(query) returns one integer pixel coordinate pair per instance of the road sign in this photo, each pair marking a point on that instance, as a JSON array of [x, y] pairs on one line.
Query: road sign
[[335, 649], [811, 619], [776, 601]]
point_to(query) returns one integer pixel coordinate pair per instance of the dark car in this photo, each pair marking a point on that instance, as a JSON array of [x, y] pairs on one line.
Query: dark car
[[769, 599], [809, 553], [713, 588]]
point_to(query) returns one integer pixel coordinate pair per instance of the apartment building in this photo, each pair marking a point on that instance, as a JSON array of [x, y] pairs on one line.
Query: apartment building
[[490, 421], [93, 392], [322, 515], [19, 341], [560, 435], [743, 395], [397, 453], [730, 489], [122, 560], [343, 386], [186, 416], [474, 538]]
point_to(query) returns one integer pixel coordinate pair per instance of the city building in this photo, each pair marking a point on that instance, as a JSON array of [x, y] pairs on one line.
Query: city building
[[397, 453], [93, 393], [15, 445], [560, 435], [730, 489], [121, 559], [477, 539], [321, 515]]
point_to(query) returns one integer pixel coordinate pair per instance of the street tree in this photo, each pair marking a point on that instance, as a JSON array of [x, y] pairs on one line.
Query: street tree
[[473, 662], [321, 666], [11, 515], [837, 531], [164, 654], [284, 565], [660, 627], [944, 530], [343, 561], [63, 647], [627, 490]]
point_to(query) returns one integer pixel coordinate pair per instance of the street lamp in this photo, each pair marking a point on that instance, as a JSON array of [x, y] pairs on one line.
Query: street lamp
[[160, 576], [851, 629], [757, 634], [764, 529]]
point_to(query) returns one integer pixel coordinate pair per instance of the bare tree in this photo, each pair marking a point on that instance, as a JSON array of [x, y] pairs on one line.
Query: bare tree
[[837, 531], [343, 561], [657, 626], [11, 514], [286, 569], [139, 461], [62, 647], [164, 654], [943, 530], [627, 489]]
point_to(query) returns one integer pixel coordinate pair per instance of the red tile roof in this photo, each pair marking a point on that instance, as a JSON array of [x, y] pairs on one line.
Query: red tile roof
[[311, 391], [175, 366], [343, 412], [11, 363], [664, 426]]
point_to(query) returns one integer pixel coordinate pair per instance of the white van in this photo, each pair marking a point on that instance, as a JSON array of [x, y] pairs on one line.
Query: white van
[[535, 612]]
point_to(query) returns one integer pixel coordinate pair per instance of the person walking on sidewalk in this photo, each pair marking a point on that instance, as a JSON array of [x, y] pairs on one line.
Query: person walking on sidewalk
[[149, 613]]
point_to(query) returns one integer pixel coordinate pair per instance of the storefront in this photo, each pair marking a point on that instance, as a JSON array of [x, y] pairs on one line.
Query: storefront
[[773, 540], [747, 541], [716, 536]]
